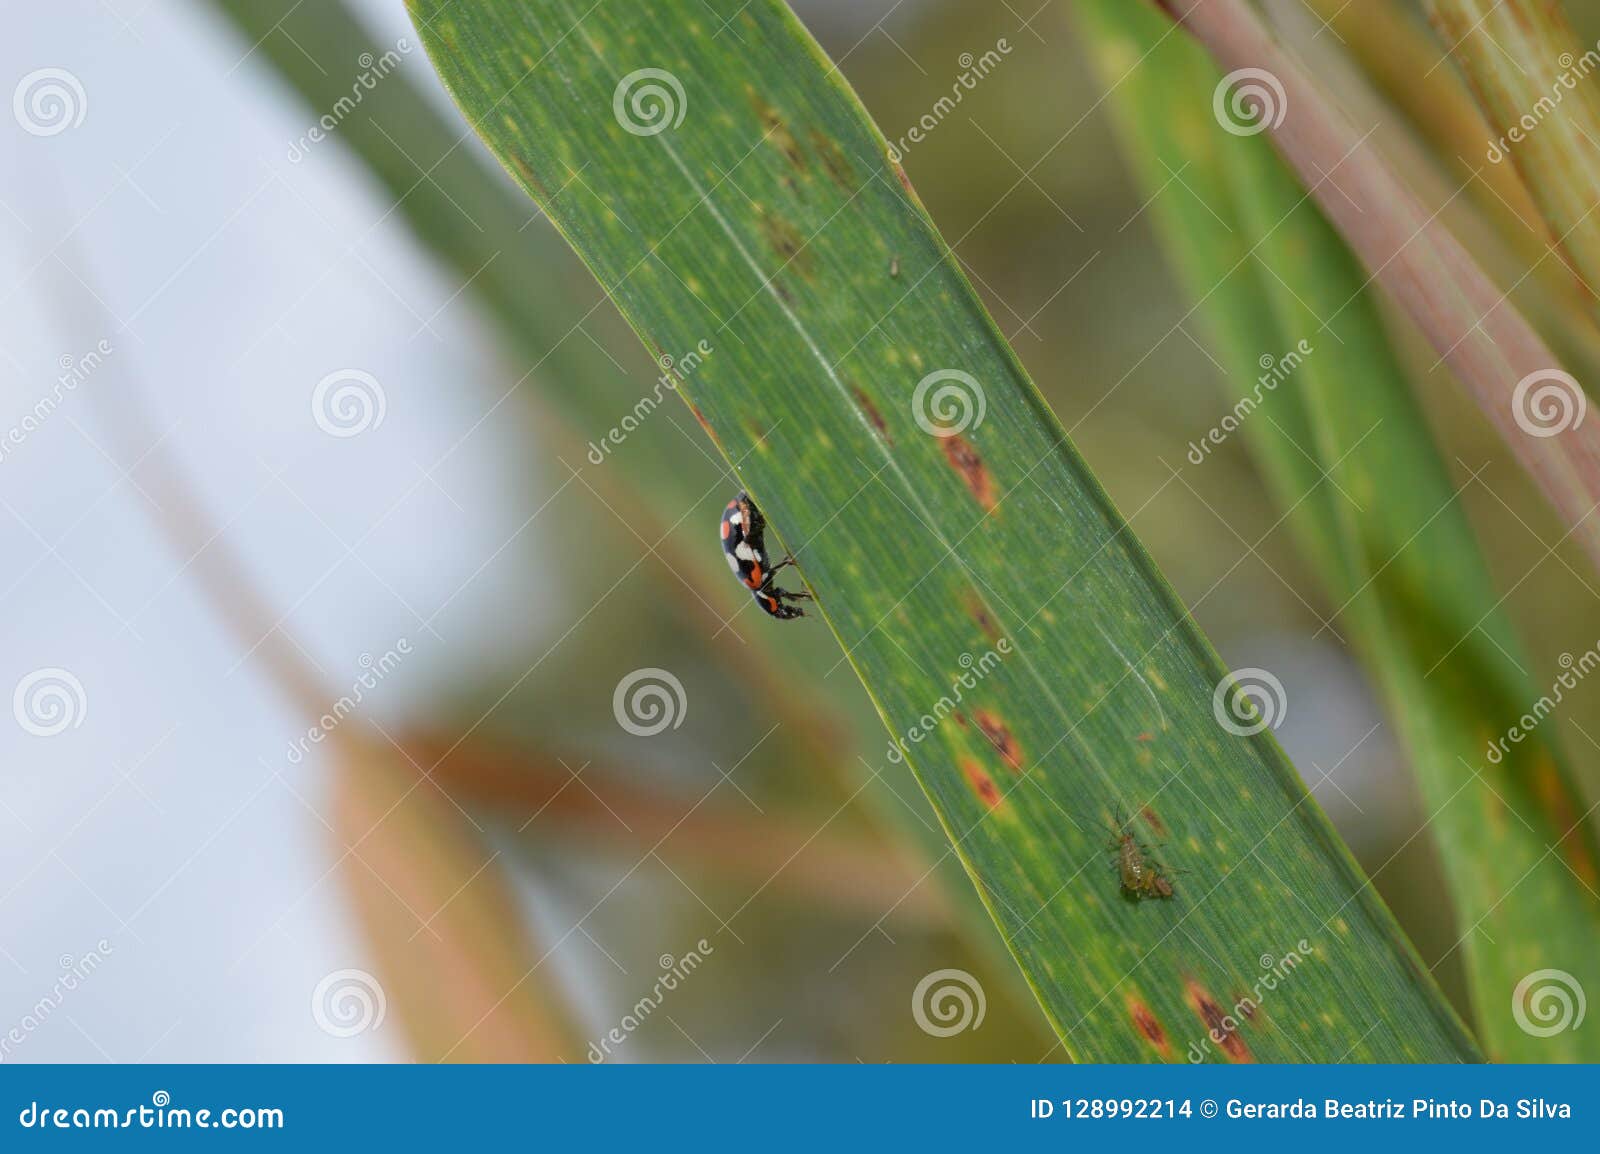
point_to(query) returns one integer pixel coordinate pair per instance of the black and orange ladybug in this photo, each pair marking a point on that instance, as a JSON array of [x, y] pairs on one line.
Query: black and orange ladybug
[[743, 540]]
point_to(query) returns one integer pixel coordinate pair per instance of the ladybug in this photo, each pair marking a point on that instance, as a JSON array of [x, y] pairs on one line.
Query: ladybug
[[743, 540]]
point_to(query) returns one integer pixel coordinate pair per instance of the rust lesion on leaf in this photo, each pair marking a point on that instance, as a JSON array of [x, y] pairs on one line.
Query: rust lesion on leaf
[[833, 159], [1000, 736], [870, 410], [776, 133], [964, 459], [705, 424], [785, 240], [978, 610], [1148, 1025], [1217, 1023], [982, 784]]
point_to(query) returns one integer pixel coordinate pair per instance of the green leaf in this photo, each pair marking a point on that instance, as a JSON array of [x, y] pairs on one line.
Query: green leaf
[[748, 196], [1532, 78], [1349, 456]]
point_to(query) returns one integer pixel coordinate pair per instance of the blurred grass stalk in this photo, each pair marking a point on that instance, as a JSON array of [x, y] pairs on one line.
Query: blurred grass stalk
[[1535, 83], [1513, 376], [1347, 453]]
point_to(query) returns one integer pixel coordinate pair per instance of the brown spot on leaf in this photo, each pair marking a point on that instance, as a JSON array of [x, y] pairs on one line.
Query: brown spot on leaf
[[785, 240], [1556, 799], [529, 178], [982, 784], [961, 719], [1000, 737], [1145, 736], [1151, 820], [1144, 1018], [776, 132], [833, 159], [979, 612], [964, 459], [872, 414], [1217, 1024], [704, 424]]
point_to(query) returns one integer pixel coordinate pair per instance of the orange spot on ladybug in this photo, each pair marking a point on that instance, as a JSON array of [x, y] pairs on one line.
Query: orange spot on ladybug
[[1145, 1020], [964, 459], [725, 530], [982, 784], [1000, 737], [755, 576], [1223, 1030], [1151, 820], [874, 417]]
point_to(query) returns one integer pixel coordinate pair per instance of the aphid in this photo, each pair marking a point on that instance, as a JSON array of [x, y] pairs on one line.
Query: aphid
[[1142, 876], [743, 540], [894, 266]]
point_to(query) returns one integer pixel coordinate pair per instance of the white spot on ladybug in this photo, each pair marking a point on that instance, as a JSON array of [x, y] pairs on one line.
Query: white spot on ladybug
[[733, 562], [743, 551], [735, 517]]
